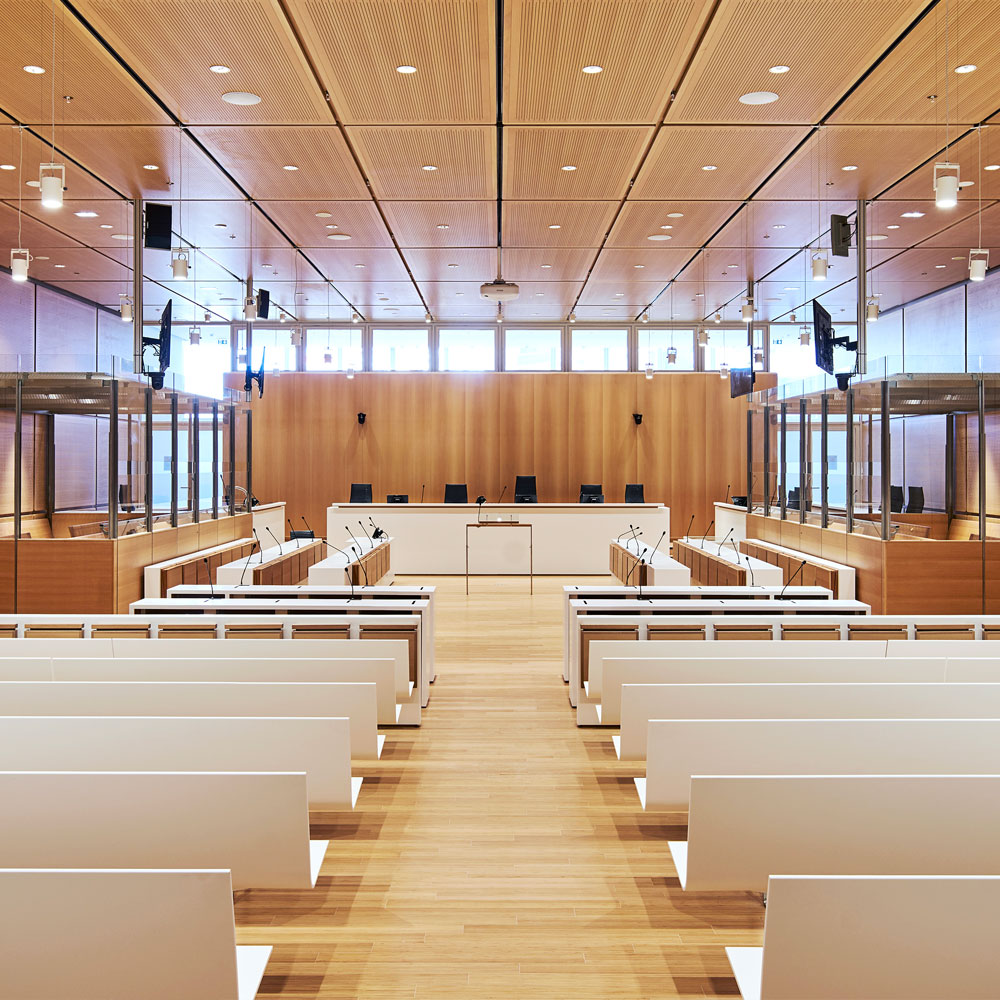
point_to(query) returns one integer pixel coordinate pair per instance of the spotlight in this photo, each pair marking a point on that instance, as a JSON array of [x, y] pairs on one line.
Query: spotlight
[[125, 308], [871, 311], [979, 260], [747, 311], [427, 317], [572, 317], [758, 356], [282, 317], [355, 317], [649, 369], [671, 355], [702, 338], [207, 318], [179, 264], [296, 336], [19, 264], [194, 336], [805, 337], [946, 183], [724, 370], [792, 317], [52, 180], [644, 318], [718, 317], [820, 263], [350, 373]]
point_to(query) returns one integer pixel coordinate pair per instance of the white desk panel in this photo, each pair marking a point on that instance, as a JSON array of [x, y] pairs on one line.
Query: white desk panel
[[568, 538], [730, 517], [764, 574]]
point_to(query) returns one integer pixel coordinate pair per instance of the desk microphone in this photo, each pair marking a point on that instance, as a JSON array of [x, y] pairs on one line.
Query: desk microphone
[[253, 545], [273, 538], [291, 533], [347, 569], [208, 570], [422, 485], [305, 522], [353, 539], [642, 562], [504, 490], [718, 551], [794, 575], [636, 563], [365, 530], [360, 563], [687, 534], [634, 538], [749, 567], [707, 530], [656, 546], [728, 485], [480, 500], [618, 540], [377, 532]]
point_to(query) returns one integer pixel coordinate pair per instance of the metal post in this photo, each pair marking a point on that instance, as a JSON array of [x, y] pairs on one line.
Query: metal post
[[783, 473], [982, 459], [249, 460], [148, 482], [18, 443], [767, 460], [749, 460], [886, 464], [195, 478], [137, 243], [950, 472], [803, 418], [174, 470], [824, 460], [113, 460], [232, 459], [849, 459], [215, 461], [862, 241]]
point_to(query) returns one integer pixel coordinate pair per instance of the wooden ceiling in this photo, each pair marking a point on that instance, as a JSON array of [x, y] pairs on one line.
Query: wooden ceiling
[[499, 104]]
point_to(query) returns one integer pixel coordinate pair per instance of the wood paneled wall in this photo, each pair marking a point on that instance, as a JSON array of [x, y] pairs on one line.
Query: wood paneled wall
[[484, 429]]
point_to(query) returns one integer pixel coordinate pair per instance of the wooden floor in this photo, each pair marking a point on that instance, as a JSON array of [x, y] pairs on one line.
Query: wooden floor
[[498, 851]]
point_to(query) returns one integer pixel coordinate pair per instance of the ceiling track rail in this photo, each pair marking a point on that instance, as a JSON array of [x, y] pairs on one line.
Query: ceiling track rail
[[197, 142]]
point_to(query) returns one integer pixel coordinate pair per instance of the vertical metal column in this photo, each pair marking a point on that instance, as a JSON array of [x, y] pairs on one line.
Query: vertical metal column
[[232, 459], [824, 461], [783, 467], [215, 461], [195, 478], [18, 444], [982, 460], [249, 460], [886, 464], [849, 459], [767, 460], [950, 472], [113, 460], [803, 418], [862, 241], [749, 460], [137, 243], [174, 465], [148, 481]]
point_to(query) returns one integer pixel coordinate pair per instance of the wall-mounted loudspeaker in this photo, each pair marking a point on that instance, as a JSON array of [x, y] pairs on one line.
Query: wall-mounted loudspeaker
[[361, 417], [840, 235], [158, 226], [637, 417]]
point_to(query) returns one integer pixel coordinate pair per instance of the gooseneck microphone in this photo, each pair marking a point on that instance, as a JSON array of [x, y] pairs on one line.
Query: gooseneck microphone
[[638, 561], [687, 534], [656, 546], [365, 530], [793, 576], [642, 563], [422, 485], [208, 571], [253, 545], [273, 538], [347, 568], [753, 583], [728, 486], [502, 492], [718, 551], [291, 531], [480, 500], [353, 539], [305, 522], [361, 564], [707, 530], [377, 532], [619, 538]]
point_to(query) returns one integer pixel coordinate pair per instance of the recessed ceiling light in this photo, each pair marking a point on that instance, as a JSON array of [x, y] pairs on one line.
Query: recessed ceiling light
[[666, 227], [453, 265], [759, 97], [893, 226], [546, 267], [591, 70], [289, 166], [710, 166], [219, 68], [966, 68], [992, 166], [568, 167], [338, 236], [779, 225], [106, 225], [406, 70], [658, 237], [33, 184], [675, 215], [10, 166], [34, 70], [958, 258], [850, 166], [120, 236], [41, 258], [790, 288], [639, 266], [85, 215], [877, 236], [220, 225], [555, 227], [912, 215], [458, 295], [732, 265], [779, 69], [150, 166], [63, 265], [322, 215], [539, 295], [939, 266], [428, 166], [241, 98], [331, 225], [443, 225]]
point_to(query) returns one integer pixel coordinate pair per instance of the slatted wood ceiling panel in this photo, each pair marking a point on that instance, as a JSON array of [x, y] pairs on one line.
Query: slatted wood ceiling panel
[[80, 263], [744, 155], [827, 43], [800, 223], [641, 219], [172, 45], [883, 214], [415, 223], [605, 158], [965, 234], [526, 264], [920, 184], [635, 294], [86, 231], [582, 223], [456, 297], [79, 184], [393, 158], [658, 265], [641, 45], [474, 264], [373, 293], [256, 157], [897, 91], [450, 42], [36, 232], [102, 92], [218, 225], [341, 264], [816, 168], [358, 219]]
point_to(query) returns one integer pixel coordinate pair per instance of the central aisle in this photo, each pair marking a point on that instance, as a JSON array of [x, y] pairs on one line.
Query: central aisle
[[498, 851]]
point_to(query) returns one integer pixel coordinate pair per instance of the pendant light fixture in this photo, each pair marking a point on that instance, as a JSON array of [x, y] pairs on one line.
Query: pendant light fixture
[[820, 263], [871, 310], [179, 264], [179, 258], [644, 316], [250, 303], [20, 257], [125, 307], [746, 313], [355, 317], [979, 259], [671, 355], [572, 317], [427, 317], [194, 336], [52, 175], [805, 337], [947, 179], [718, 318], [649, 369], [724, 370]]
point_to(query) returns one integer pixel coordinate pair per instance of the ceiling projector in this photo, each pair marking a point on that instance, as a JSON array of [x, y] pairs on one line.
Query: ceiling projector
[[499, 291]]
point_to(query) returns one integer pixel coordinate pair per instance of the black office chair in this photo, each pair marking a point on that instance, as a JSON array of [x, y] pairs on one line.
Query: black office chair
[[591, 493], [896, 499], [456, 493], [361, 492], [525, 490], [792, 501], [916, 504], [633, 493], [397, 498]]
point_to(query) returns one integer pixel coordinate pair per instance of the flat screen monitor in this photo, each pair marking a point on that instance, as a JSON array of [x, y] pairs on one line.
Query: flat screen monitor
[[823, 338], [157, 361], [740, 381]]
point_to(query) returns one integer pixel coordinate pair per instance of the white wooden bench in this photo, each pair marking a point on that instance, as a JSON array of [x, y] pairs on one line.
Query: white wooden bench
[[741, 829], [320, 747], [857, 937], [678, 749], [107, 934], [355, 702], [255, 824]]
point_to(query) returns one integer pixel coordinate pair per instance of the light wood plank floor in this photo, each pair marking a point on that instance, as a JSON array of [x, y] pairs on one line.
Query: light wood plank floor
[[498, 851]]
